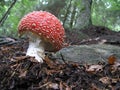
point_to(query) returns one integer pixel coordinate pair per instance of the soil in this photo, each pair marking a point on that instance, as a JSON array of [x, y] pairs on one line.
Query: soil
[[20, 72]]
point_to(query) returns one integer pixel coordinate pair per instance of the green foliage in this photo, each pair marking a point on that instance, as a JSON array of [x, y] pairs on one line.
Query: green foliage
[[70, 12], [106, 13], [3, 7], [17, 12]]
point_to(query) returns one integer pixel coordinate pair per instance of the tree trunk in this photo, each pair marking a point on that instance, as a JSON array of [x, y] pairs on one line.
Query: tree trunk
[[67, 12], [73, 16], [84, 15]]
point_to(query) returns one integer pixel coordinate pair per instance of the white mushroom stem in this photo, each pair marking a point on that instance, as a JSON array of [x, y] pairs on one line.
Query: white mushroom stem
[[36, 48]]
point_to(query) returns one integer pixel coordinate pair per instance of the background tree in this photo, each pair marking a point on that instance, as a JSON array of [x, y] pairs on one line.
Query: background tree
[[20, 8], [84, 14], [76, 14], [106, 13], [53, 6]]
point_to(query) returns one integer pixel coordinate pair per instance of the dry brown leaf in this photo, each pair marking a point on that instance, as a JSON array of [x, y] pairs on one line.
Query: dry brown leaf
[[68, 88], [111, 59], [115, 80], [61, 85], [115, 67], [23, 74], [49, 72], [20, 58], [64, 86], [53, 86], [94, 87], [10, 39], [94, 68], [105, 80], [117, 64], [5, 49], [49, 62]]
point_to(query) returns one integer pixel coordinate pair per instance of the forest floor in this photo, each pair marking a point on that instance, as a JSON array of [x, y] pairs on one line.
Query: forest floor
[[19, 72]]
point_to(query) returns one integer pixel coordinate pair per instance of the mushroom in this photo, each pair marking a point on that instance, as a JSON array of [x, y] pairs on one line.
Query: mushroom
[[45, 32]]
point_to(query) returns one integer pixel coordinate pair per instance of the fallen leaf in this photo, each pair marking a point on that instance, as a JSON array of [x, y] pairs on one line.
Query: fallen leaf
[[115, 67], [117, 64], [49, 62], [10, 39], [111, 59], [94, 87], [115, 80], [23, 74], [105, 80], [61, 86], [94, 68], [50, 72], [20, 58], [68, 88], [53, 86]]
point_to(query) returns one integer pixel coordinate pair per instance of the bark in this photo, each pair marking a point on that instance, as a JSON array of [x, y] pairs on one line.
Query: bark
[[73, 16], [84, 15], [67, 12]]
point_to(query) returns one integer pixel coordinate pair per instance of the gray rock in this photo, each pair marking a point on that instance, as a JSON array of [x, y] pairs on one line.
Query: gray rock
[[90, 54]]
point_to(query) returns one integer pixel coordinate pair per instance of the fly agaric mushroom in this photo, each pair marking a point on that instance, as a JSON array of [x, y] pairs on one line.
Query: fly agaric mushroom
[[45, 32]]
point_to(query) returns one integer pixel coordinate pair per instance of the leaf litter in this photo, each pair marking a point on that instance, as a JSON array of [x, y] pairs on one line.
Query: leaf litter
[[20, 72]]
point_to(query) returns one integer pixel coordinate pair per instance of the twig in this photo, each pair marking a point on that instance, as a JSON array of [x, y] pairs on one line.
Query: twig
[[6, 14], [35, 88]]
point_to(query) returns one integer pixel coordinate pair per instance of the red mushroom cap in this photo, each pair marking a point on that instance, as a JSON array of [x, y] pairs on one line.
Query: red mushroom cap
[[45, 25]]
